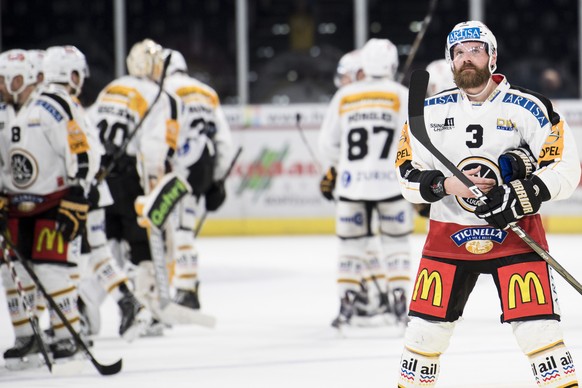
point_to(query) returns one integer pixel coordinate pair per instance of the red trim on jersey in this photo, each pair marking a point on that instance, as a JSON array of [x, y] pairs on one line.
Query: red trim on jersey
[[440, 241]]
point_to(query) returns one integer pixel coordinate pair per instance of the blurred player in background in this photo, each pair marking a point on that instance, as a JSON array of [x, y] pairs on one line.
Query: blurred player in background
[[48, 164], [357, 141], [120, 106], [203, 157]]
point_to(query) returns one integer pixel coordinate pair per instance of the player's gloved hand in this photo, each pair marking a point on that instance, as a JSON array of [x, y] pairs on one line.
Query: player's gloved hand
[[327, 183], [72, 213], [215, 196], [512, 201], [93, 197], [4, 207], [517, 164]]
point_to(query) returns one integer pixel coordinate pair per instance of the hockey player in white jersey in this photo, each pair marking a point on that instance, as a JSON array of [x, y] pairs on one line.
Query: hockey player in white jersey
[[120, 106], [47, 167], [349, 69], [204, 154], [517, 149], [357, 141], [101, 274], [441, 77]]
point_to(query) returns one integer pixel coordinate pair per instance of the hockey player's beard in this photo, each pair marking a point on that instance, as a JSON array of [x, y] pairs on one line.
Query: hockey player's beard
[[471, 79]]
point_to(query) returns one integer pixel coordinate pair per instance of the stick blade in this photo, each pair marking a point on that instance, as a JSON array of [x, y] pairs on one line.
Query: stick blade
[[108, 370], [417, 92]]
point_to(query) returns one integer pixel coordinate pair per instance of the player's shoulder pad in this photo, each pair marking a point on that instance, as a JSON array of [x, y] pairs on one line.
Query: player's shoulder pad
[[553, 116], [57, 104]]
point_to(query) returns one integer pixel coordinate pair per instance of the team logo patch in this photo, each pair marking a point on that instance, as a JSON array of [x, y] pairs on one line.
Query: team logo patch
[[479, 240], [488, 170], [24, 168]]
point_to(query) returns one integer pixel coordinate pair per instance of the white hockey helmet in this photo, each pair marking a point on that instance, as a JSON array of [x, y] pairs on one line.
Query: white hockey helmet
[[146, 59], [471, 31], [347, 68], [59, 64], [379, 58], [14, 63], [36, 57], [177, 62], [441, 77]]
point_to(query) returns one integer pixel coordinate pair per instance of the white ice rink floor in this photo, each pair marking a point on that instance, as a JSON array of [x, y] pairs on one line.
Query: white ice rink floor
[[274, 299]]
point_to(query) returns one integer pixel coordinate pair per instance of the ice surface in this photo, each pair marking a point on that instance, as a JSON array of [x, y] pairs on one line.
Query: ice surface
[[274, 299]]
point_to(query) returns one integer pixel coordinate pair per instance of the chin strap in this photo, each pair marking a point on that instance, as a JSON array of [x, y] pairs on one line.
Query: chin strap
[[481, 92]]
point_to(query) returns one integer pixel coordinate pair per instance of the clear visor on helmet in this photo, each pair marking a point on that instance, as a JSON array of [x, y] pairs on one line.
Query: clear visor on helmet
[[468, 49]]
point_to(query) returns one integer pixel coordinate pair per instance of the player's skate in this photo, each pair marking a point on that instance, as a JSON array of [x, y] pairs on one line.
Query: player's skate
[[348, 307], [25, 354], [135, 318], [400, 302], [188, 298]]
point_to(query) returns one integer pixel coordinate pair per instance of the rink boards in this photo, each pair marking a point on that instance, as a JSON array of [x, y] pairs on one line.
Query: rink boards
[[274, 187]]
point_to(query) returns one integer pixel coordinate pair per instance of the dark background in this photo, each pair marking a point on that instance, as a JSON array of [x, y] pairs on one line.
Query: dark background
[[295, 45]]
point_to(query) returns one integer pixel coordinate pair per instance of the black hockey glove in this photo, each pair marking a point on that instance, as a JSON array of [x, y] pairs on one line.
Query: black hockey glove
[[93, 197], [517, 164], [4, 207], [72, 214], [327, 183], [215, 196], [510, 202]]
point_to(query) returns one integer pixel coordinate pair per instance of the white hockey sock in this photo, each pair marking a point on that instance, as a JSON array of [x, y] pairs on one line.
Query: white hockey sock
[[418, 369], [110, 277], [185, 269], [552, 366]]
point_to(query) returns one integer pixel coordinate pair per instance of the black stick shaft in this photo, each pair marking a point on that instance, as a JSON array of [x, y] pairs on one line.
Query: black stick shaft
[[205, 214], [103, 369], [32, 318]]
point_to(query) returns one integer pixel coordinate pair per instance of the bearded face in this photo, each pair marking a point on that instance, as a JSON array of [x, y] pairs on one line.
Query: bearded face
[[469, 75]]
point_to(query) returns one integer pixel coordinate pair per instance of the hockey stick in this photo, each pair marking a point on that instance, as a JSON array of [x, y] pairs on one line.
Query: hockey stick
[[32, 318], [203, 217], [425, 23], [306, 143], [103, 369], [105, 170], [418, 86]]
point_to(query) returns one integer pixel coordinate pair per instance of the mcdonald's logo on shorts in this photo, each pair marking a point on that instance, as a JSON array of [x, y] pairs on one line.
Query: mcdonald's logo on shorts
[[525, 290], [48, 244], [432, 288]]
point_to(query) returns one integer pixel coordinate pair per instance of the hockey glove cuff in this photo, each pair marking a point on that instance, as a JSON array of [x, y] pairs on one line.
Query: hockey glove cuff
[[432, 185], [508, 203], [327, 184], [72, 214], [517, 164]]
